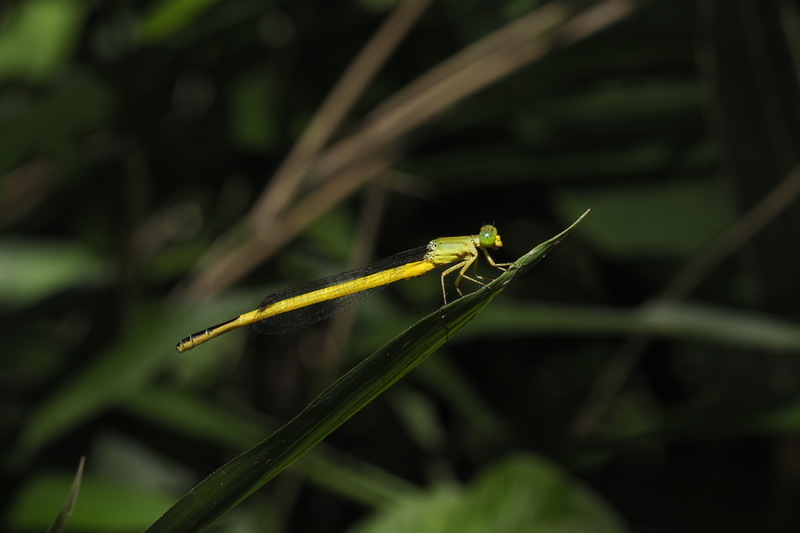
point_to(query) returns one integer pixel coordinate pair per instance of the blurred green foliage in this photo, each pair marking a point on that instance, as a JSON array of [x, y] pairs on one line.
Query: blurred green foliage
[[136, 138]]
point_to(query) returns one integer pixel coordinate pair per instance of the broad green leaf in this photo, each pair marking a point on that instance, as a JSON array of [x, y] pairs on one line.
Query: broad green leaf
[[180, 411], [33, 270], [781, 420], [358, 480], [104, 506], [39, 38], [189, 414], [418, 415], [470, 167], [637, 110], [239, 478], [520, 494], [168, 16], [253, 118], [619, 102], [447, 381], [378, 6], [124, 369], [54, 125], [675, 218]]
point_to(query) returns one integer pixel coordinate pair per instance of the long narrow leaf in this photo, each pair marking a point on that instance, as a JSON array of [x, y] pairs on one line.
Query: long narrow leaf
[[240, 477], [61, 520]]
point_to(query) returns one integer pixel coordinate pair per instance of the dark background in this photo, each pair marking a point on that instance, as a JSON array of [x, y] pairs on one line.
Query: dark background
[[651, 355]]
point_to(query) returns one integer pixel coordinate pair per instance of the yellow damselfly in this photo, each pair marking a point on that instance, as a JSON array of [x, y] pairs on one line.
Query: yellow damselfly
[[298, 307]]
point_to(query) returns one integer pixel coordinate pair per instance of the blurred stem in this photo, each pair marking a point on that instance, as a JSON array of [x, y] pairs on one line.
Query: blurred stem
[[742, 231], [258, 247], [619, 368], [355, 79], [790, 22], [353, 161], [734, 238], [284, 184], [767, 85], [340, 327]]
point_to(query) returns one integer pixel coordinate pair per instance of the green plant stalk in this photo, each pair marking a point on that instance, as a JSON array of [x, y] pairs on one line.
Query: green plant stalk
[[240, 477]]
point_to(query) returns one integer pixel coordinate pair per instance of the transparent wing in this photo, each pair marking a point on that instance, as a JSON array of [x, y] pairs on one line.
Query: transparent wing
[[311, 314], [316, 312]]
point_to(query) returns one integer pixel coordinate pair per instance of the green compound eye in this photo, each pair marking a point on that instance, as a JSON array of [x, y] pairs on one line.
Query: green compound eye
[[488, 236]]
